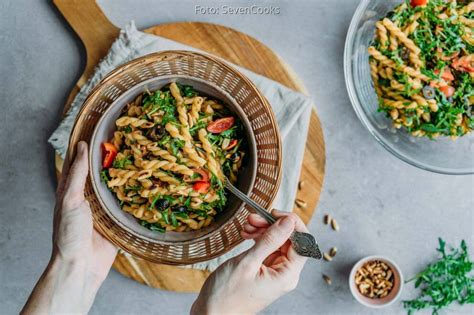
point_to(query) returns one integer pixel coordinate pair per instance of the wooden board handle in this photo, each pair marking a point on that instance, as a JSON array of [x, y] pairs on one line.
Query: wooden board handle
[[94, 29]]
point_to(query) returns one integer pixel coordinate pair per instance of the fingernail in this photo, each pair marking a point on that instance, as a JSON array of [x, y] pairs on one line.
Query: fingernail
[[287, 223]]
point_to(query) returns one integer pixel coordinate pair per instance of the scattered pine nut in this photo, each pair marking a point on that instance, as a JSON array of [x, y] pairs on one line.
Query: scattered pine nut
[[301, 184], [327, 279], [327, 257], [300, 203], [327, 219], [333, 251], [334, 225]]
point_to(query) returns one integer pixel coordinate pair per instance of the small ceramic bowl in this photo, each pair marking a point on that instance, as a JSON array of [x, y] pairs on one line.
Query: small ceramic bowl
[[377, 302]]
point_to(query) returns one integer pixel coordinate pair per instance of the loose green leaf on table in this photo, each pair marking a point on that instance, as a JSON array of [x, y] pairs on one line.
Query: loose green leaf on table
[[445, 281]]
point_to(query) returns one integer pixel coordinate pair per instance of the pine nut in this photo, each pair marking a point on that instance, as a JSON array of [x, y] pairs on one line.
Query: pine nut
[[301, 184], [327, 279], [300, 203], [327, 219], [327, 257], [374, 279]]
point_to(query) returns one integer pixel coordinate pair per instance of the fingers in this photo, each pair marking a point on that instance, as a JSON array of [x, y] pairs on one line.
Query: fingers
[[252, 236], [257, 221], [63, 177], [257, 226], [297, 261], [299, 224], [77, 175], [270, 241]]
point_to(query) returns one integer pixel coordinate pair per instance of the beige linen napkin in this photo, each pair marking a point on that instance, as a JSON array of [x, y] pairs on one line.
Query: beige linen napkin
[[292, 111]]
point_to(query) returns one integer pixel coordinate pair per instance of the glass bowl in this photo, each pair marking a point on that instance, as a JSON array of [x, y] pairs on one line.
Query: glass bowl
[[442, 155]]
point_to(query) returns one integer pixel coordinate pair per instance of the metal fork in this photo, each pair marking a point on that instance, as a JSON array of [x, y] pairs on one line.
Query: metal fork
[[303, 243]]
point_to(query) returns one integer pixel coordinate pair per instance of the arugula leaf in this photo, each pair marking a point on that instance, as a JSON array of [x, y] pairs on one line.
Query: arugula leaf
[[156, 227], [153, 202], [230, 133], [176, 144], [470, 123], [201, 213], [133, 188], [431, 128], [127, 129], [194, 129], [165, 216], [160, 101], [164, 140], [227, 167], [445, 281], [122, 162], [171, 199], [182, 215], [186, 90], [174, 222], [187, 203], [104, 176]]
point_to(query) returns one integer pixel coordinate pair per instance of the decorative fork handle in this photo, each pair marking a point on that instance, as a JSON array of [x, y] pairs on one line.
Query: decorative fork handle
[[303, 243]]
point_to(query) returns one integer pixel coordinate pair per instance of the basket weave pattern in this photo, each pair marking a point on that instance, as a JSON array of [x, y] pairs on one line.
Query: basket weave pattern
[[254, 106]]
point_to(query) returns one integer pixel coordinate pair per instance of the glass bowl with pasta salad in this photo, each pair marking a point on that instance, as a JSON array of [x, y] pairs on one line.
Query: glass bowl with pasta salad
[[409, 70], [160, 153]]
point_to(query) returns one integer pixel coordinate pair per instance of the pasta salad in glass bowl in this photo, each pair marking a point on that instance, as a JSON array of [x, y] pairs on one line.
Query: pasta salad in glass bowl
[[409, 69]]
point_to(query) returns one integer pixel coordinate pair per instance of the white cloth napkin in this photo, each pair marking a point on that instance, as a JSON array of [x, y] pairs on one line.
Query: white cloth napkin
[[292, 111]]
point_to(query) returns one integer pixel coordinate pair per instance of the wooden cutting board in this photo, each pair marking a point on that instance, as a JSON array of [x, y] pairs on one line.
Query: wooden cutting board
[[97, 33]]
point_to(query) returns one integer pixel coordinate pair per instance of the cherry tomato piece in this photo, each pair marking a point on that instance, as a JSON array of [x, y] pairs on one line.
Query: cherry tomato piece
[[415, 3], [232, 144], [221, 124], [447, 75], [447, 90], [201, 187], [110, 152], [204, 175], [464, 64]]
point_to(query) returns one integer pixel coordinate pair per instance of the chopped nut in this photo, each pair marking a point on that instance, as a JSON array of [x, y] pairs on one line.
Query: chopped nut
[[334, 225], [374, 279], [333, 251], [327, 279], [301, 184], [300, 203], [327, 257]]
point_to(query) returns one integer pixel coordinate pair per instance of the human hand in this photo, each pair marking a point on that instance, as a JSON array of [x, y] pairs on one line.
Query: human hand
[[248, 283], [81, 257], [74, 238]]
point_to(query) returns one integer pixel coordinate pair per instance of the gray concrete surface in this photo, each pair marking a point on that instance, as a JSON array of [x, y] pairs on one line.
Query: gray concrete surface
[[383, 205]]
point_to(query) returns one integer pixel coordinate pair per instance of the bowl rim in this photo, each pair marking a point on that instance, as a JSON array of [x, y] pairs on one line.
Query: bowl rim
[[354, 99], [354, 290], [240, 204]]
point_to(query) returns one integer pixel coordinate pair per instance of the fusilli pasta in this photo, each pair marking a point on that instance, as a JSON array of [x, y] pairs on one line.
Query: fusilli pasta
[[422, 67], [167, 158]]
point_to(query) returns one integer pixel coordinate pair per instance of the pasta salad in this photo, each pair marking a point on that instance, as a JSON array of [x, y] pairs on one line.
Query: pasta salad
[[422, 67], [169, 153]]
